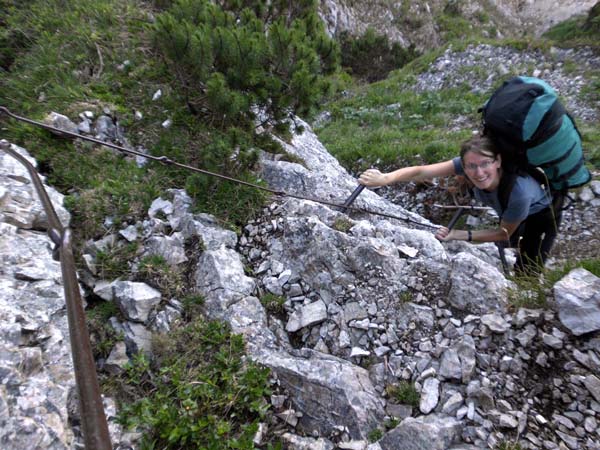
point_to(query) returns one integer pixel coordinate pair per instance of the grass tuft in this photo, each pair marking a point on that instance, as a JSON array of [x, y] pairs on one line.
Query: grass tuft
[[404, 392], [273, 304], [533, 290]]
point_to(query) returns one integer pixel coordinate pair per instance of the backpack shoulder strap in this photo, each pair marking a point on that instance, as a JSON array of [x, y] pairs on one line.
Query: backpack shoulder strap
[[507, 183]]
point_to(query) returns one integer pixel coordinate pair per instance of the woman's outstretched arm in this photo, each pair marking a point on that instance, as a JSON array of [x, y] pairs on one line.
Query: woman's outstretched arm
[[375, 178]]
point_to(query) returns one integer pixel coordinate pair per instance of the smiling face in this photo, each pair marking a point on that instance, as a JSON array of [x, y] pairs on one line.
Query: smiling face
[[483, 169]]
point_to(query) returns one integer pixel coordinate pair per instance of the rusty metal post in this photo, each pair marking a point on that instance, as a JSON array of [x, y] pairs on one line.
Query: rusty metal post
[[93, 419]]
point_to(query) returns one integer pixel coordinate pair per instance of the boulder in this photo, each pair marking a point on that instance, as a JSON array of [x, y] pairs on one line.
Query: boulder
[[477, 287], [136, 300], [329, 391], [578, 301], [432, 432], [220, 278]]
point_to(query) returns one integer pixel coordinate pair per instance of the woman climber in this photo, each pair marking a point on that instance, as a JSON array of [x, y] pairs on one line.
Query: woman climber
[[527, 214]]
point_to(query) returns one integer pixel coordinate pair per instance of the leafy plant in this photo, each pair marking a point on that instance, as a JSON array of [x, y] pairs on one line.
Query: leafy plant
[[201, 393]]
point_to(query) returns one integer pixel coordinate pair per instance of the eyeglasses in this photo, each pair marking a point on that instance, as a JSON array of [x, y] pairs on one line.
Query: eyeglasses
[[484, 165]]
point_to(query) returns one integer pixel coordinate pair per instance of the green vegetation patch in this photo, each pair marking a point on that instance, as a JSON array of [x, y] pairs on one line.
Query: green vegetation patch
[[342, 224], [592, 265], [370, 57], [103, 336], [200, 392], [154, 270], [577, 31], [114, 261], [404, 392], [533, 289], [591, 145], [73, 56], [233, 59], [388, 124], [509, 446], [273, 303], [374, 435]]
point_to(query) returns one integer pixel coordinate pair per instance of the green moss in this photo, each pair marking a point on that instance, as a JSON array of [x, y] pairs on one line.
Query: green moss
[[342, 224]]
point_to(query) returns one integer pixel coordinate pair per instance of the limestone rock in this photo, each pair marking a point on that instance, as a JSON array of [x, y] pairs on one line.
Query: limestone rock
[[136, 300], [432, 432], [477, 287], [430, 395], [307, 315], [578, 300]]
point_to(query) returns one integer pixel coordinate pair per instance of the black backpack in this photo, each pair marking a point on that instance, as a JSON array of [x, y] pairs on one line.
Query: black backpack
[[533, 130]]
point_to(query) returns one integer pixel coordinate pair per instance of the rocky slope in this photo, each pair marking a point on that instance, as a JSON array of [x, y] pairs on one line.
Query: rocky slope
[[369, 303], [417, 23], [37, 395]]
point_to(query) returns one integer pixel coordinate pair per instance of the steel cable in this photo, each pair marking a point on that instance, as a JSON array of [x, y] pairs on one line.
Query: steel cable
[[167, 161]]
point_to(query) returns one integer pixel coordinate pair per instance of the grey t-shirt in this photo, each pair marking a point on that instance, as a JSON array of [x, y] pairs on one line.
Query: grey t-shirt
[[526, 198]]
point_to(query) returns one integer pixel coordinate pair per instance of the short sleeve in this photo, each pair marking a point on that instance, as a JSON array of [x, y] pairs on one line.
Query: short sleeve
[[458, 167], [519, 205]]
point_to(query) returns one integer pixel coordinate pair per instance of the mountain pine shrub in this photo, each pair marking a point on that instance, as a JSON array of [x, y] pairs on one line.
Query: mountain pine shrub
[[372, 56], [239, 60]]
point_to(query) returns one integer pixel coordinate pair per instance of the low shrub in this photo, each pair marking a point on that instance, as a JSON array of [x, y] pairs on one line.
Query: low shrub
[[200, 392]]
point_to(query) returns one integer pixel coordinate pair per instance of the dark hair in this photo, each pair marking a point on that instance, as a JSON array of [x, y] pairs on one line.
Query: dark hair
[[481, 145]]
